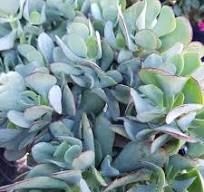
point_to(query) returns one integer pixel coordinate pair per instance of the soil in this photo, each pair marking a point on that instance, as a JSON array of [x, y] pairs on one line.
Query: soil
[[7, 170]]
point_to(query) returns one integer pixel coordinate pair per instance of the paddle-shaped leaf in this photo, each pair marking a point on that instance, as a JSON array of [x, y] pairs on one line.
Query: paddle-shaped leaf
[[42, 152], [55, 98], [136, 152], [153, 93], [85, 160], [182, 34], [69, 106], [146, 39], [170, 84], [7, 42], [72, 153], [153, 10], [198, 183], [107, 169], [64, 68], [30, 53], [103, 130], [77, 45], [185, 121], [131, 178], [176, 133], [191, 63], [145, 110], [166, 22], [109, 34], [79, 29], [159, 142], [7, 135], [87, 134], [182, 110], [46, 46], [140, 22], [36, 112], [37, 183], [58, 128], [42, 170], [18, 119], [41, 82]]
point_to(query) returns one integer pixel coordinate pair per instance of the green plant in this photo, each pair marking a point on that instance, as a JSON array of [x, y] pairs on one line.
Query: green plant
[[101, 97]]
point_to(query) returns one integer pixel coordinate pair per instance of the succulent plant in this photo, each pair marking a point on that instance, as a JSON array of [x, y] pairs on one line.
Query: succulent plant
[[101, 97]]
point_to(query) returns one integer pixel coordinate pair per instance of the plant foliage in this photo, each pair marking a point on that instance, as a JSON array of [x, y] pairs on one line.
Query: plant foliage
[[101, 97]]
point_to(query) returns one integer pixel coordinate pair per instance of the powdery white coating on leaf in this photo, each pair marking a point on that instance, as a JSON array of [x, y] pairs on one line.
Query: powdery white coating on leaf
[[41, 82], [84, 160], [35, 112], [18, 119], [7, 42], [55, 98], [46, 46], [11, 81]]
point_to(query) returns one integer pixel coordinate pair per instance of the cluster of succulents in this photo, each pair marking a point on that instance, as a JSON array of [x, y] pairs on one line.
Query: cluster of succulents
[[101, 97]]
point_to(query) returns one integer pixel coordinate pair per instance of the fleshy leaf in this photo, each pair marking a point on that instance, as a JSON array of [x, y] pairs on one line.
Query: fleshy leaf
[[103, 130], [185, 121], [136, 152], [175, 133], [30, 53], [7, 135], [87, 134], [58, 129], [147, 39], [166, 22], [191, 63], [145, 110], [72, 153], [69, 106], [153, 10], [77, 45], [182, 110], [170, 84], [58, 68], [46, 46], [36, 112], [106, 168], [79, 29], [55, 98], [192, 92], [131, 178], [7, 42], [182, 34], [153, 93], [159, 142], [18, 119], [85, 160], [42, 152], [38, 183], [41, 82]]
